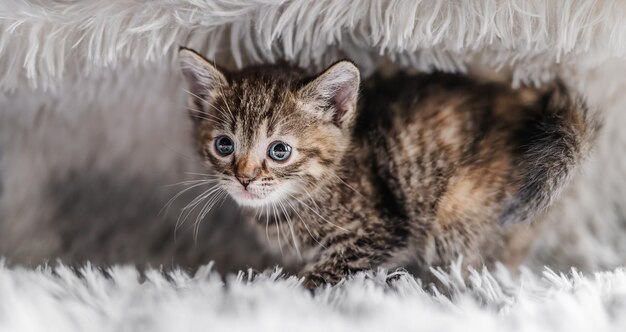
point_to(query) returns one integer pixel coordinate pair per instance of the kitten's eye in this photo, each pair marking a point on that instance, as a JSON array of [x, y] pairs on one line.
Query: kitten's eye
[[279, 151], [224, 145]]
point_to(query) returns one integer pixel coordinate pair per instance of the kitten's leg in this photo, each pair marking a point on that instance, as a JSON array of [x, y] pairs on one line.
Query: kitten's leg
[[347, 253]]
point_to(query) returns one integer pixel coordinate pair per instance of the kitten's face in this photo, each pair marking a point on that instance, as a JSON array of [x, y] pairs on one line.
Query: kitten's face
[[266, 135], [268, 154]]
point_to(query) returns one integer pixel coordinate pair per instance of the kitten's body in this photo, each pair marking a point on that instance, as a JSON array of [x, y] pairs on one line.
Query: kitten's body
[[435, 170], [426, 168]]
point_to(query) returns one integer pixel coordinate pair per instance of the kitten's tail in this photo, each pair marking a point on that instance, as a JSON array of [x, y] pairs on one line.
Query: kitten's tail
[[556, 137]]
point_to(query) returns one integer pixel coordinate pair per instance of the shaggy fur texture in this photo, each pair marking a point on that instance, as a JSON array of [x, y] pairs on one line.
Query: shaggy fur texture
[[43, 43], [118, 299]]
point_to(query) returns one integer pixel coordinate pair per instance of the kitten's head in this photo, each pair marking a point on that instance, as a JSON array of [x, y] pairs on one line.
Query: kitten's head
[[268, 133]]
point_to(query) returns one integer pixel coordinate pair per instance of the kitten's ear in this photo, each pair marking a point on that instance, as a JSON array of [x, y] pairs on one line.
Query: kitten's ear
[[333, 94], [201, 76]]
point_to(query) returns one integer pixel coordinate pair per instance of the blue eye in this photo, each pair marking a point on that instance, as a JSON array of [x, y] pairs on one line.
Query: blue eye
[[279, 151], [224, 145]]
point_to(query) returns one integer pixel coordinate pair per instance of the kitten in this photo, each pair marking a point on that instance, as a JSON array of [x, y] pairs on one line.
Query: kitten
[[425, 168]]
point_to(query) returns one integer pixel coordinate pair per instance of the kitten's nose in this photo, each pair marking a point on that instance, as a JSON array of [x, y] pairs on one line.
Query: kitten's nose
[[246, 171], [245, 181]]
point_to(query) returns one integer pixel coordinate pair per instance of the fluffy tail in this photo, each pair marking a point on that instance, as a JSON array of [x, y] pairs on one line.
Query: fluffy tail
[[557, 135]]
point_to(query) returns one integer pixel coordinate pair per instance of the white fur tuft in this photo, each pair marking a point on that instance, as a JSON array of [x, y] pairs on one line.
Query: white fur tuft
[[42, 43]]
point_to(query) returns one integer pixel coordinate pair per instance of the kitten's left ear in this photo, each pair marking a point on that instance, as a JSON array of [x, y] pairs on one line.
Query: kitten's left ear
[[333, 94]]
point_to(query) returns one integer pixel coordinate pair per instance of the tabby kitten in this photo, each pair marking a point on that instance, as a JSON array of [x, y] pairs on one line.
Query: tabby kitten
[[421, 168]]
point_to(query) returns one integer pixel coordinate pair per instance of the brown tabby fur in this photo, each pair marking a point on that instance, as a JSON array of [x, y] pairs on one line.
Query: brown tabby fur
[[426, 168]]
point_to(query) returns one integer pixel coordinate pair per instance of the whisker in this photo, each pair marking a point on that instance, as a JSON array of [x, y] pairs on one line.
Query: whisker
[[206, 175], [169, 203], [223, 199], [267, 222], [305, 225], [203, 196], [190, 182], [312, 210], [293, 236], [202, 115], [347, 185], [214, 201], [190, 207], [205, 210], [317, 208], [280, 246], [313, 201], [196, 224]]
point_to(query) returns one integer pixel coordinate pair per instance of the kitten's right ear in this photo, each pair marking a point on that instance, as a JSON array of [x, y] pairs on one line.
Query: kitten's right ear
[[333, 94], [201, 76]]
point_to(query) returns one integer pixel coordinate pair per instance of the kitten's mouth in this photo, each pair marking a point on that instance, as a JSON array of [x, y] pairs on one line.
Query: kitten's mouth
[[254, 195], [247, 197]]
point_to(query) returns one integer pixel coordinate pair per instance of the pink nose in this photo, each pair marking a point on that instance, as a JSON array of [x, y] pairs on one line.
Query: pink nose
[[245, 181]]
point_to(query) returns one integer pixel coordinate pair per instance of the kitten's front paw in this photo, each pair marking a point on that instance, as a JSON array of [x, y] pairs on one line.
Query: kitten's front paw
[[312, 280]]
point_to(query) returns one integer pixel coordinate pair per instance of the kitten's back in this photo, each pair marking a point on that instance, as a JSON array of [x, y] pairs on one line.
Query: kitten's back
[[466, 155]]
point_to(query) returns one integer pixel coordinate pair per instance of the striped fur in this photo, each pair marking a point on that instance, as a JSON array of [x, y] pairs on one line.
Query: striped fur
[[424, 168]]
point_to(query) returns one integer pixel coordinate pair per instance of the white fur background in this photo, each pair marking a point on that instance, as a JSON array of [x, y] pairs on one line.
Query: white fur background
[[377, 301], [93, 129]]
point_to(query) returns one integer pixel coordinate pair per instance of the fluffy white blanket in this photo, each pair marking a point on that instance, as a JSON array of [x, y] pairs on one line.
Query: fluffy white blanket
[[43, 42], [118, 299]]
